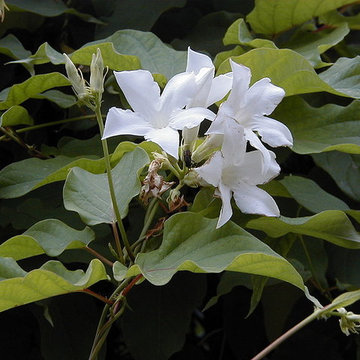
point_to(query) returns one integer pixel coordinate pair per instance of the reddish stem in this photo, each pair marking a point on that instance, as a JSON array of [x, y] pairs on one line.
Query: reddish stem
[[98, 296], [99, 256]]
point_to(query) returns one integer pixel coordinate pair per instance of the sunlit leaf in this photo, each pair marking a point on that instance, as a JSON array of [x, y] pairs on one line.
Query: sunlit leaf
[[293, 72], [331, 225], [275, 16], [330, 127], [238, 33], [49, 236], [51, 279], [31, 87], [154, 55], [192, 243], [16, 115]]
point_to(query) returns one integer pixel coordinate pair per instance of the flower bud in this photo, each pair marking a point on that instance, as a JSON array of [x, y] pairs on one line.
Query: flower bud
[[2, 10], [97, 73], [210, 144], [76, 78]]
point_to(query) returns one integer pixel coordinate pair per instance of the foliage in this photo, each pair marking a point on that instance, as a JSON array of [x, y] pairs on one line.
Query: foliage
[[146, 229]]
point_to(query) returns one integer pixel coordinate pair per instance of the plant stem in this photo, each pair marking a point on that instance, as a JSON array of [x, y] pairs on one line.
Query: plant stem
[[98, 296], [103, 327], [286, 335], [99, 256], [111, 184]]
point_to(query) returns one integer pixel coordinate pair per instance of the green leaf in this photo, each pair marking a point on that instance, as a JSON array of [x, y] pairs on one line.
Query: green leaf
[[311, 196], [331, 225], [31, 87], [311, 43], [334, 18], [44, 54], [274, 16], [48, 8], [88, 194], [154, 55], [344, 169], [343, 300], [59, 98], [51, 279], [239, 34], [50, 236], [144, 14], [21, 177], [12, 47], [111, 56], [289, 70], [344, 76], [330, 127], [224, 55], [161, 331], [193, 243], [10, 269], [16, 115]]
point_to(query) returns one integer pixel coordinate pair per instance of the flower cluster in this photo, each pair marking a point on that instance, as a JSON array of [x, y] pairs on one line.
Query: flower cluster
[[241, 119]]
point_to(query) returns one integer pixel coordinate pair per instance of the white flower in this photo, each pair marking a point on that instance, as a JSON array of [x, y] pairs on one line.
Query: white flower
[[248, 106], [156, 117], [209, 89], [235, 172]]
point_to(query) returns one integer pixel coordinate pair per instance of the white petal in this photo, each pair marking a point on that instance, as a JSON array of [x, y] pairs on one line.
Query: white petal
[[252, 200], [263, 97], [253, 163], [257, 144], [190, 118], [226, 210], [178, 92], [240, 85], [125, 122], [211, 170], [217, 126], [234, 143], [203, 80], [220, 86], [140, 90], [196, 61], [272, 132], [167, 138]]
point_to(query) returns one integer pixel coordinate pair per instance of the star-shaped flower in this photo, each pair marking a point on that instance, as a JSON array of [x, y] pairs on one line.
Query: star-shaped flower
[[156, 117], [209, 89], [235, 172], [249, 107]]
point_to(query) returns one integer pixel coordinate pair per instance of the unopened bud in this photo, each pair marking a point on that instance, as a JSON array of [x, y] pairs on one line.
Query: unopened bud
[[97, 73], [210, 144], [76, 78], [2, 10]]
